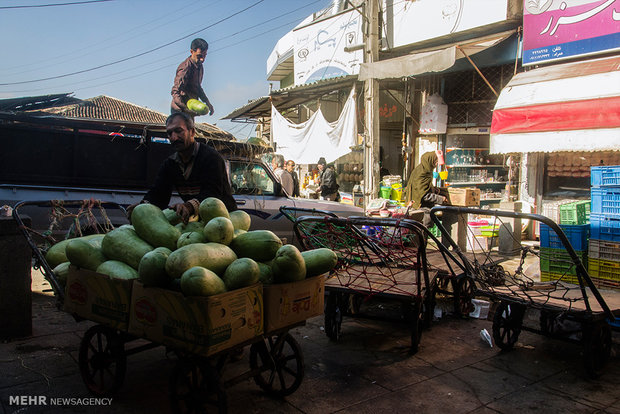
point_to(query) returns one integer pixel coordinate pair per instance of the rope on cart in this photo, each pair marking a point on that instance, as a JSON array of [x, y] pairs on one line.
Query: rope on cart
[[371, 260]]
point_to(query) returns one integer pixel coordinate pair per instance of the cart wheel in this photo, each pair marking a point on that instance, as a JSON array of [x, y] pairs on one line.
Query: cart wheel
[[280, 363], [464, 292], [195, 388], [102, 360], [597, 348], [333, 317], [507, 324]]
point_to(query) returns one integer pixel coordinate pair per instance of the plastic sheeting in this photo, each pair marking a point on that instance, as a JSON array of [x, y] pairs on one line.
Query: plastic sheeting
[[305, 143]]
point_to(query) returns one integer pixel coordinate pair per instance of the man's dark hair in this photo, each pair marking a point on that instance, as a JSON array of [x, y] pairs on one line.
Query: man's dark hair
[[189, 122], [199, 43]]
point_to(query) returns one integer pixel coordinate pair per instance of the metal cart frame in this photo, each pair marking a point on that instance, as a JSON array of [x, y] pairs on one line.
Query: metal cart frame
[[569, 316], [196, 381]]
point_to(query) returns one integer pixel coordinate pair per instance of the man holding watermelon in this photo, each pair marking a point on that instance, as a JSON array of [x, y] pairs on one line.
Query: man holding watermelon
[[195, 170], [187, 83]]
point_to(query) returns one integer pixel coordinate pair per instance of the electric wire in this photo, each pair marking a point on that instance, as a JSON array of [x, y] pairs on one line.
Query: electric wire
[[137, 55], [54, 4]]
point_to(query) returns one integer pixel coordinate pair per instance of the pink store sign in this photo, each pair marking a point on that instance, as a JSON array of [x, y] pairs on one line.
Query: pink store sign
[[562, 29]]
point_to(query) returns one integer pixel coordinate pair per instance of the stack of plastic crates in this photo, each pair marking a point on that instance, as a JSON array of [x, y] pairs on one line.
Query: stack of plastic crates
[[604, 261], [555, 262]]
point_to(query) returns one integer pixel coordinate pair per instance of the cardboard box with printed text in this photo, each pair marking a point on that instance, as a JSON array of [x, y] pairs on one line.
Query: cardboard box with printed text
[[290, 303], [201, 325], [99, 298]]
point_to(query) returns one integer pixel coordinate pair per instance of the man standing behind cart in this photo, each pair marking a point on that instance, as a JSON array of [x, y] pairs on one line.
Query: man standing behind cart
[[188, 79], [195, 170]]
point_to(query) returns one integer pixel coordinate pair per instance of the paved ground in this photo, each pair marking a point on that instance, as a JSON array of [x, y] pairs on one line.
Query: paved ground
[[368, 371]]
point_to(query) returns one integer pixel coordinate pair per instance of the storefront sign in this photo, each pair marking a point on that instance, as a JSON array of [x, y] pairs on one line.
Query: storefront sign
[[320, 48], [561, 29], [410, 22]]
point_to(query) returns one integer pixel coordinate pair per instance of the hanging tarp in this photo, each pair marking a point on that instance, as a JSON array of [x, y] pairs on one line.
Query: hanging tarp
[[568, 107], [305, 143]]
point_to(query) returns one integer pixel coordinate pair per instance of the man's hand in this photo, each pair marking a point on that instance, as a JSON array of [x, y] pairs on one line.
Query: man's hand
[[129, 210], [187, 209], [210, 108], [184, 210]]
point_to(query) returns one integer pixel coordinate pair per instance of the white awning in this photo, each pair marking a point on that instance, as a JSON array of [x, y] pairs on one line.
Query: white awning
[[568, 107], [423, 61]]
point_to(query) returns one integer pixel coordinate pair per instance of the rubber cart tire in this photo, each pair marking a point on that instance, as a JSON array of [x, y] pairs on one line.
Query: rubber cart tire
[[102, 360]]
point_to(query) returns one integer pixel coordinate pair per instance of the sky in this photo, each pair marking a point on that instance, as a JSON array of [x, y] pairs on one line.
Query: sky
[[130, 49]]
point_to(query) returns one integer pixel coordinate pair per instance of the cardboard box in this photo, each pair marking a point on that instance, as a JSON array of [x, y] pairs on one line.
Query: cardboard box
[[99, 298], [464, 197], [290, 303], [201, 325]]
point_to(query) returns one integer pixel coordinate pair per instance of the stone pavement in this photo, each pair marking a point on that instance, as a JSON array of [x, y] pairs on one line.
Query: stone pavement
[[368, 371]]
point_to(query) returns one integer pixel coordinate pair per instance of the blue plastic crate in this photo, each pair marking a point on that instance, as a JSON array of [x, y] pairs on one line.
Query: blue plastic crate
[[604, 227], [605, 176], [577, 235], [606, 201]]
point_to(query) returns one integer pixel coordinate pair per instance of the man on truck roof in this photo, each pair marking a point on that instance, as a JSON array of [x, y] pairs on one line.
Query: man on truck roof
[[195, 170], [188, 79]]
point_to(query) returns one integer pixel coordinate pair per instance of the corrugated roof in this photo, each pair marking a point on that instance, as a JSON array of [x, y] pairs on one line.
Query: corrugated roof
[[107, 108], [289, 97], [99, 108]]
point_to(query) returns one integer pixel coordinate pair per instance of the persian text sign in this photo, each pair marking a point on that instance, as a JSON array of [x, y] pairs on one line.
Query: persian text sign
[[562, 29], [319, 48]]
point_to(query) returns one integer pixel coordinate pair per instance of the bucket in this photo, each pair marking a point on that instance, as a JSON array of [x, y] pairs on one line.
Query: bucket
[[481, 309], [385, 192]]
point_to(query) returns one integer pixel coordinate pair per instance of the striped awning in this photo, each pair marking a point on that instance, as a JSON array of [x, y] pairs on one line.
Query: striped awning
[[567, 107]]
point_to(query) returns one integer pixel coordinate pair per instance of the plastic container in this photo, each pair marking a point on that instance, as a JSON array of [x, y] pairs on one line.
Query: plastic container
[[604, 250], [481, 309], [606, 200], [559, 261], [385, 192], [604, 269], [575, 213], [603, 227], [605, 176], [577, 236], [550, 277]]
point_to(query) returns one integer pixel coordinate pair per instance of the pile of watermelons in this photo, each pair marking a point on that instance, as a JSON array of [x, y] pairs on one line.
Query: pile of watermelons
[[213, 254]]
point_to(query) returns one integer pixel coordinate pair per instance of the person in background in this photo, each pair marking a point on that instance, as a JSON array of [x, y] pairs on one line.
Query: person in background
[[195, 170], [420, 192], [283, 176], [328, 187], [188, 79], [290, 167]]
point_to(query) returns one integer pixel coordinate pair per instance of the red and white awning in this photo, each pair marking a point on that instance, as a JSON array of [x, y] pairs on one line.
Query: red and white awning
[[568, 107]]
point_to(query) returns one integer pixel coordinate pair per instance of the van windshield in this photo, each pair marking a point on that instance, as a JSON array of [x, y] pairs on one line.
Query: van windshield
[[250, 178]]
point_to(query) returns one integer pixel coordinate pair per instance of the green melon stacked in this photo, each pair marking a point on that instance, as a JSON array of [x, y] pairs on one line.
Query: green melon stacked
[[214, 253]]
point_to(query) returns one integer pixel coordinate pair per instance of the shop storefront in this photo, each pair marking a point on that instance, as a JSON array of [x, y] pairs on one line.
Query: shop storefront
[[562, 119]]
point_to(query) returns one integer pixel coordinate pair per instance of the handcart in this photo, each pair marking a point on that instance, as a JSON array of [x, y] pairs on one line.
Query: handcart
[[567, 304], [376, 258], [197, 383]]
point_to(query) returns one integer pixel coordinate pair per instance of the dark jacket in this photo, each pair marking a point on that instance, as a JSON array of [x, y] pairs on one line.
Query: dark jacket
[[187, 84], [206, 177], [295, 184], [328, 181]]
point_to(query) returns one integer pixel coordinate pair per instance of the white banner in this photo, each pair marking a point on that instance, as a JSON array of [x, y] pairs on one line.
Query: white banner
[[414, 21], [319, 48], [305, 143]]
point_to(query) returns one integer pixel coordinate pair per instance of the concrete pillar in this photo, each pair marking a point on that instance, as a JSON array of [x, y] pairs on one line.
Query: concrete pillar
[[15, 281]]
